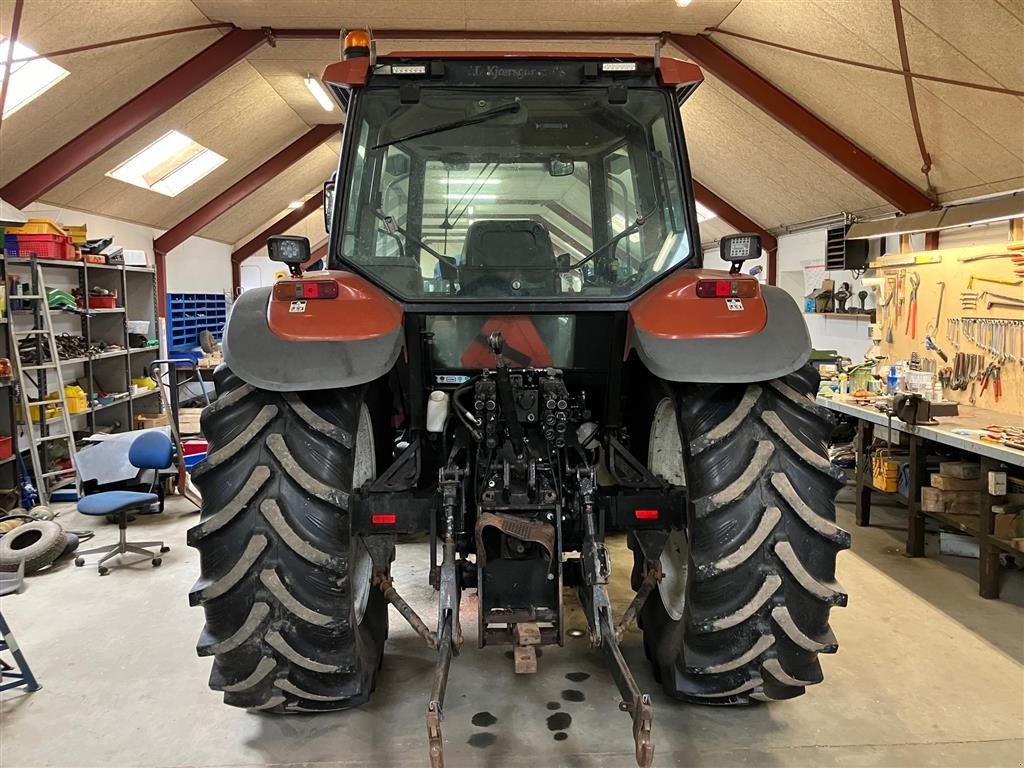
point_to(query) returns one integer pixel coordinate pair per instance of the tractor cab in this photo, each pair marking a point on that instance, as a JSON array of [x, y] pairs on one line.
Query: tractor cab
[[540, 177]]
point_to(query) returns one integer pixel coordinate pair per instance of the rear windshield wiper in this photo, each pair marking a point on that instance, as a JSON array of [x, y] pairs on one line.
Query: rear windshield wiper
[[490, 114], [641, 219]]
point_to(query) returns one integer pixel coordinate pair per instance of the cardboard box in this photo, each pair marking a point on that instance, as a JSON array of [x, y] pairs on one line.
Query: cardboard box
[[188, 420], [962, 470], [945, 483], [151, 420], [1008, 526]]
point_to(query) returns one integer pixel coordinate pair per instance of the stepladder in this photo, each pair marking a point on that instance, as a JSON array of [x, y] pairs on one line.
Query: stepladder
[[44, 416]]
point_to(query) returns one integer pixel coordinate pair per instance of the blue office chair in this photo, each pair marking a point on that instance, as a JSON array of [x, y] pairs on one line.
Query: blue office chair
[[150, 450]]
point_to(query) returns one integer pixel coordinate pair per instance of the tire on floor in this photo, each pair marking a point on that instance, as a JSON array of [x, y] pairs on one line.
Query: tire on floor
[[292, 620]]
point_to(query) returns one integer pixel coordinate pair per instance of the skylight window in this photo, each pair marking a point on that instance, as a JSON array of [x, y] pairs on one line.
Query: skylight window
[[704, 213], [169, 165], [29, 79]]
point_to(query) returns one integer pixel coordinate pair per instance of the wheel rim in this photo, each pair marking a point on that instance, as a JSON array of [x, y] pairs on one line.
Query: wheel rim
[[665, 459], [364, 467]]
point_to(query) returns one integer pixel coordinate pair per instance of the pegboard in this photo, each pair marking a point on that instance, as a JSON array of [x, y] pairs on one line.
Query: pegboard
[[955, 270]]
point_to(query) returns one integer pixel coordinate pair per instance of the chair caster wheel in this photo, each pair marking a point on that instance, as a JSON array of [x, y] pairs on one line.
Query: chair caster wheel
[[156, 561], [103, 571], [79, 561], [165, 549]]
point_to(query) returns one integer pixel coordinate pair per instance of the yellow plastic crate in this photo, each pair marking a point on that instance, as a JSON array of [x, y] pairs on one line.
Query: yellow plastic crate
[[38, 227], [885, 472]]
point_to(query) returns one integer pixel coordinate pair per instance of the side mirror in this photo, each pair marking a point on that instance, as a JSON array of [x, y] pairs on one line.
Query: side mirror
[[739, 248], [559, 167], [328, 203], [291, 250]]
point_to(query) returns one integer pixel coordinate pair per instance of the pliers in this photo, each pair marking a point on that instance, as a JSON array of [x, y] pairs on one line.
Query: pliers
[[911, 327]]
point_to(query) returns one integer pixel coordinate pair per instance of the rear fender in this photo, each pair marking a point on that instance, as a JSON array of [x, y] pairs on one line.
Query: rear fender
[[680, 336], [289, 345]]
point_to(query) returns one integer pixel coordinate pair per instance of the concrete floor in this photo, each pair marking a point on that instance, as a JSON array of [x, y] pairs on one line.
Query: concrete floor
[[928, 673]]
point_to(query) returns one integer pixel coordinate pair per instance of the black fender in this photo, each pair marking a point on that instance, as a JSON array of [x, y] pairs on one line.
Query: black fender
[[260, 358], [780, 348]]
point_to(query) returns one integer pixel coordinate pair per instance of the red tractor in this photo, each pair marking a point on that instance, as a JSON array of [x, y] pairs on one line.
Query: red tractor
[[515, 349]]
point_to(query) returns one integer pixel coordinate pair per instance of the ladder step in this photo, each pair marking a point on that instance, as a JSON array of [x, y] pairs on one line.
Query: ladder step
[[59, 403], [51, 438], [33, 331], [59, 473], [26, 297], [40, 367]]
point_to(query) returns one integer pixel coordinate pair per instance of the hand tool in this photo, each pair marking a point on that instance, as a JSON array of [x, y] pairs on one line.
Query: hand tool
[[1004, 305], [1003, 296], [911, 326], [899, 290], [933, 327], [968, 259], [968, 299], [991, 279], [931, 345]]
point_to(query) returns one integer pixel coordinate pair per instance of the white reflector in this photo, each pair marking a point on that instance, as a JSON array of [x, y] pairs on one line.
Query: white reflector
[[408, 69], [619, 66]]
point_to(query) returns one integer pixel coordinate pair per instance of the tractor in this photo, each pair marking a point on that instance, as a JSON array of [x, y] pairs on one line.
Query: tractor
[[515, 350]]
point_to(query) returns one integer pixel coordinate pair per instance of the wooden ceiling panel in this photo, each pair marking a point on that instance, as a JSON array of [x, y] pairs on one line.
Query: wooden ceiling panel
[[251, 14], [598, 15], [238, 116], [979, 42], [713, 230], [100, 80], [861, 30], [760, 167], [270, 200]]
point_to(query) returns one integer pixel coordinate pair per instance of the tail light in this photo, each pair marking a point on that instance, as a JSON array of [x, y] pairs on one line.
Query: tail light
[[645, 514], [727, 289], [383, 519], [305, 289]]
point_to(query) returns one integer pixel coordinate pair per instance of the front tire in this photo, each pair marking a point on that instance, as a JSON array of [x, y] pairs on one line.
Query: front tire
[[292, 620], [742, 612]]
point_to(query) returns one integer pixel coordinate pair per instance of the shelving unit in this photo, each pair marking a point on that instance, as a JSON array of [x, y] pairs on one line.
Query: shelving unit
[[8, 466], [109, 371], [188, 314]]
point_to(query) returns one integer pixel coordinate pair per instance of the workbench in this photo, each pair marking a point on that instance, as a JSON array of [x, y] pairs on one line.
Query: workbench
[[990, 456]]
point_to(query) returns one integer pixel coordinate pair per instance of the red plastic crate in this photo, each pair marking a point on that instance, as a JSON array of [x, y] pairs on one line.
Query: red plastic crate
[[192, 447], [5, 447], [46, 247], [99, 302]]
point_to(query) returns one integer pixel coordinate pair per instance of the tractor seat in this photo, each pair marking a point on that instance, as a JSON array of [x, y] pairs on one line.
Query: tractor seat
[[506, 258], [112, 502]]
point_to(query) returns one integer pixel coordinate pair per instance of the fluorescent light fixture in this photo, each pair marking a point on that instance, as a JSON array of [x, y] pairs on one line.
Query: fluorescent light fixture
[[704, 213], [619, 66], [478, 198], [295, 204], [472, 182], [471, 210], [29, 79], [979, 212], [683, 3], [169, 165], [319, 93]]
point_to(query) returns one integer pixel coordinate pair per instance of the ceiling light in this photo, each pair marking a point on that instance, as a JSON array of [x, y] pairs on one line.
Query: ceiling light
[[683, 3], [477, 198], [169, 165], [319, 93], [295, 204], [29, 79], [471, 182], [471, 210], [704, 213]]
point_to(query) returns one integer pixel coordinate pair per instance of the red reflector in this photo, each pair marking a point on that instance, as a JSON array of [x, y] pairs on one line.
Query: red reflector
[[645, 514], [383, 519], [286, 290], [727, 289]]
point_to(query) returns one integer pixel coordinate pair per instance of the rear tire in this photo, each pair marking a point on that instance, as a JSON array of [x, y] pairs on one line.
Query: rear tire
[[292, 620], [742, 612]]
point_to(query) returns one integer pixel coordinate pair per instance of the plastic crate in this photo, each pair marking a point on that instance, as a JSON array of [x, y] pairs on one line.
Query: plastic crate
[[38, 227], [43, 247], [5, 447], [11, 246], [100, 302], [192, 459], [77, 233]]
